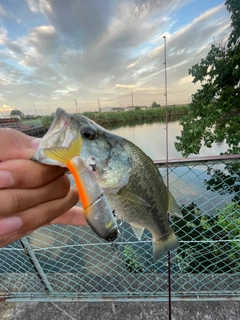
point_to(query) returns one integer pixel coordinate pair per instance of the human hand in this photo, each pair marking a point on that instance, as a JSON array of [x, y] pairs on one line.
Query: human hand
[[31, 194]]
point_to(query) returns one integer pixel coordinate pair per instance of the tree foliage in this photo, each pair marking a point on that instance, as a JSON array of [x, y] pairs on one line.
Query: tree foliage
[[225, 181], [210, 244], [17, 113], [155, 105], [215, 109]]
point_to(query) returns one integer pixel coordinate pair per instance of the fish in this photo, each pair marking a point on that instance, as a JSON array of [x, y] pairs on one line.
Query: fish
[[97, 211], [129, 178]]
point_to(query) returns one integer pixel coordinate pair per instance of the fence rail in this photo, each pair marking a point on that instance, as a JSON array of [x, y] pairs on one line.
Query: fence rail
[[67, 263]]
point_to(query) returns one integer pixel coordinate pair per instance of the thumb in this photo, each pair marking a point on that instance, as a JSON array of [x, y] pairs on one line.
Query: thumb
[[16, 145]]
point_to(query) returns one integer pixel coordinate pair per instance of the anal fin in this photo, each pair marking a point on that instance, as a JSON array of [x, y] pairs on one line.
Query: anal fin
[[173, 207], [137, 230]]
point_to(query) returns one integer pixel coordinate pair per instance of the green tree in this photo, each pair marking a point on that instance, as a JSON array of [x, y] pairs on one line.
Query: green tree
[[215, 109], [155, 105], [17, 113]]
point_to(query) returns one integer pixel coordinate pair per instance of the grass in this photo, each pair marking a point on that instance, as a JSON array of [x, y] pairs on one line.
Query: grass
[[130, 116], [34, 122], [136, 115]]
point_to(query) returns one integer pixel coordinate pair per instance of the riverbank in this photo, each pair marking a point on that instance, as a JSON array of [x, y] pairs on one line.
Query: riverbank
[[128, 117], [137, 114]]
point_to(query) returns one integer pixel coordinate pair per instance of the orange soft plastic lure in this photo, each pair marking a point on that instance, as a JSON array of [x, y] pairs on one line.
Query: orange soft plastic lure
[[96, 208]]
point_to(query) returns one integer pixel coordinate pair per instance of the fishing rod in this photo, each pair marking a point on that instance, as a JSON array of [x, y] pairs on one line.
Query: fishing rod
[[167, 169]]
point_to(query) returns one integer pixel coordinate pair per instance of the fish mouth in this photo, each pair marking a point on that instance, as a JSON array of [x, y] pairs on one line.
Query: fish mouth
[[62, 131], [60, 121]]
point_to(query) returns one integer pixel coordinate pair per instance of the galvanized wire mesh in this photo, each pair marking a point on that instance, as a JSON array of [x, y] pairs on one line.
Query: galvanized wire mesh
[[71, 263]]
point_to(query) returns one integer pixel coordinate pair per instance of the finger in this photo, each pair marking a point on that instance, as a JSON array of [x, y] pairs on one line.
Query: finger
[[17, 200], [21, 173], [16, 145], [38, 216], [74, 216]]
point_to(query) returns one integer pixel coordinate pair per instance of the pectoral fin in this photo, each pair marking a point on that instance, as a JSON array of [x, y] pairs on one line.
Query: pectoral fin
[[115, 189], [173, 207], [132, 197], [137, 230]]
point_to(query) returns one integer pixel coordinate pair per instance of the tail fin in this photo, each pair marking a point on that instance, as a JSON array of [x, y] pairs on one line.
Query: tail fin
[[63, 154], [162, 246]]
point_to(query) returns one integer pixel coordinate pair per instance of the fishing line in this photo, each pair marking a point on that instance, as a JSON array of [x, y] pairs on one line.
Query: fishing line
[[167, 182]]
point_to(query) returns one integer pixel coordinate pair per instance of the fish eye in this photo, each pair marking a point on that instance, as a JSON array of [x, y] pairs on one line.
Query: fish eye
[[88, 132]]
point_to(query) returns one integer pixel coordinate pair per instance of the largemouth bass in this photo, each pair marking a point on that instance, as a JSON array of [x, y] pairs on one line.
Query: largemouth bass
[[131, 182]]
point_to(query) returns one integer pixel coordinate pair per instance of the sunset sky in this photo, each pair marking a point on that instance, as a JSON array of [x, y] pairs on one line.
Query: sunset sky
[[55, 51]]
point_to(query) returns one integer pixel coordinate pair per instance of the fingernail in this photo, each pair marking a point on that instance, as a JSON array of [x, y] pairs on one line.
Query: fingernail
[[35, 143], [6, 179], [10, 224]]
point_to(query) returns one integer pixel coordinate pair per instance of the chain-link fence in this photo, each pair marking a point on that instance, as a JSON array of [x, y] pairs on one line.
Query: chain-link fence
[[71, 263]]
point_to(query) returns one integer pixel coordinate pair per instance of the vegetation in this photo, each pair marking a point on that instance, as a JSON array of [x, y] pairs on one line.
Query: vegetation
[[225, 181], [18, 113], [132, 260], [210, 243], [155, 105], [214, 116], [123, 117], [33, 122], [215, 109], [136, 115], [47, 120]]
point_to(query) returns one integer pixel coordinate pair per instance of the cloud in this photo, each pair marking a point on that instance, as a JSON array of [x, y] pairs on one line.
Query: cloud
[[125, 86], [89, 50], [33, 5], [5, 108], [185, 47], [43, 39], [2, 11], [81, 21]]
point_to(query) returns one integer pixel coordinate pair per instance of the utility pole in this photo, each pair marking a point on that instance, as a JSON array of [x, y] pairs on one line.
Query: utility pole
[[76, 105], [132, 99], [35, 109], [99, 107]]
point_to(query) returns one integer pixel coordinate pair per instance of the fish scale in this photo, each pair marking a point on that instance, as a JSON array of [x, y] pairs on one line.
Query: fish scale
[[153, 217]]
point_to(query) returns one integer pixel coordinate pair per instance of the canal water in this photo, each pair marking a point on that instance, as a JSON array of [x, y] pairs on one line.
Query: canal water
[[151, 138]]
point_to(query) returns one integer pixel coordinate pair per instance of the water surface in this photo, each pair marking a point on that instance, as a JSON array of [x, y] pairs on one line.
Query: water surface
[[151, 138]]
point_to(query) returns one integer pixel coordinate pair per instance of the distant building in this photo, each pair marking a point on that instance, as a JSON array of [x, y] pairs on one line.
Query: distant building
[[133, 108], [112, 109], [117, 109], [129, 108], [106, 109]]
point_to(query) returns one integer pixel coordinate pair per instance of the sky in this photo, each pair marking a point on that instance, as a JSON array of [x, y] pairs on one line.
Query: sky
[[82, 54]]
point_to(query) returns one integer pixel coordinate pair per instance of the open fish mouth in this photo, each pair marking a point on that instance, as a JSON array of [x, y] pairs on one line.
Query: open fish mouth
[[62, 130]]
